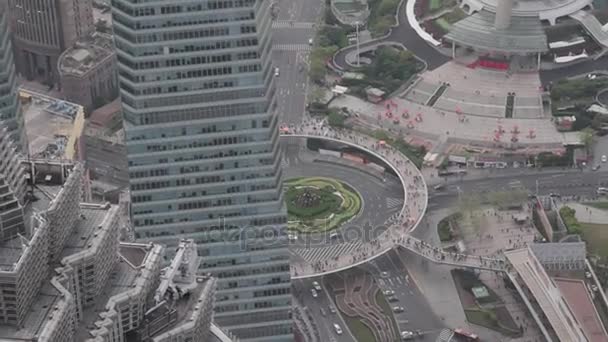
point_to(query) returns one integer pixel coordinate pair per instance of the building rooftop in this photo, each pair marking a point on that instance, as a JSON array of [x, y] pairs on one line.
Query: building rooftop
[[53, 126], [525, 35], [42, 307], [580, 302], [84, 233], [122, 279], [552, 252], [86, 54]]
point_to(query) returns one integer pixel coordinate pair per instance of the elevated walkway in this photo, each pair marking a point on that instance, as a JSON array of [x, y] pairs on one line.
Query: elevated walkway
[[593, 26]]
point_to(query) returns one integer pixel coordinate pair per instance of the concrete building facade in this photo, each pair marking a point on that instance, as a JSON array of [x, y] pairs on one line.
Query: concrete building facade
[[94, 288], [87, 72], [43, 29], [10, 108], [201, 127]]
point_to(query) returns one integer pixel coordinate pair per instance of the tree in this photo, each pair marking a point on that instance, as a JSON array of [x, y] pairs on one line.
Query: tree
[[586, 137], [335, 119]]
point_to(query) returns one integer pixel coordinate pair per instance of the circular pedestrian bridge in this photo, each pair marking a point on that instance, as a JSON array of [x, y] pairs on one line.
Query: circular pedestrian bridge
[[324, 255]]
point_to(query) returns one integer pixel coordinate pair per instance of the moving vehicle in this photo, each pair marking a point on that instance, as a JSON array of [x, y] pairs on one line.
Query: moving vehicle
[[314, 293], [410, 335], [602, 191], [309, 41], [316, 286], [337, 329], [276, 72], [332, 309], [469, 337], [398, 309], [323, 312], [333, 235], [604, 158], [292, 237]]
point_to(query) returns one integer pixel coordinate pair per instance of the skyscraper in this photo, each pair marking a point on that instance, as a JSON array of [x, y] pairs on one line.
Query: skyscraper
[[200, 119], [10, 109], [43, 29]]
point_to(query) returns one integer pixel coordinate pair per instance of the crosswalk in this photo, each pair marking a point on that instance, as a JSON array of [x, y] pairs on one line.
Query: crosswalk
[[292, 24], [445, 335], [313, 255], [291, 47], [393, 203]]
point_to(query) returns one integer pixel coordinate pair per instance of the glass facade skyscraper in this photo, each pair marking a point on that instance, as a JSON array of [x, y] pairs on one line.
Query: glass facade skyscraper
[[201, 127], [10, 107]]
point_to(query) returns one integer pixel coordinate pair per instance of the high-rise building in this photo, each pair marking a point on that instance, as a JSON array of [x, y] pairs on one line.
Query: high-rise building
[[200, 119], [66, 277], [43, 29], [10, 109]]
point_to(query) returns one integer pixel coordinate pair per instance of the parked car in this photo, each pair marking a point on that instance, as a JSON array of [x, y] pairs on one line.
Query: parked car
[[337, 329], [604, 158], [398, 309], [314, 293], [332, 309], [389, 292], [392, 299], [316, 285], [323, 312]]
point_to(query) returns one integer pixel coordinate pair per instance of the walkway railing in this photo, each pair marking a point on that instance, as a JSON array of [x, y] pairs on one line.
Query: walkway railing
[[399, 227]]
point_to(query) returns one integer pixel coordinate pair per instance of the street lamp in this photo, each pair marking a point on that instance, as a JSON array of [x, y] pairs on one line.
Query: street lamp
[[357, 32]]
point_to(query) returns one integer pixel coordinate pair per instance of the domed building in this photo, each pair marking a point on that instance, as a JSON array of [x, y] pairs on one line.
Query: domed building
[[519, 35]]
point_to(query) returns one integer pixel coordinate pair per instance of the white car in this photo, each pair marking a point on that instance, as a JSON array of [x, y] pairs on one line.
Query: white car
[[337, 329], [276, 72], [398, 309], [314, 293], [292, 237], [310, 41], [389, 292], [316, 286], [604, 159], [407, 335]]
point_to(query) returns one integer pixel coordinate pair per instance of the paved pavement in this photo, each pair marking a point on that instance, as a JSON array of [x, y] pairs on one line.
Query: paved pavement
[[548, 76], [588, 214], [295, 25], [404, 34], [568, 182], [301, 289], [381, 200], [417, 314]]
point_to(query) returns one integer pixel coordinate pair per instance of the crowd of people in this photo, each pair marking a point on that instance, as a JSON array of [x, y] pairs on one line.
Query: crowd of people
[[399, 225]]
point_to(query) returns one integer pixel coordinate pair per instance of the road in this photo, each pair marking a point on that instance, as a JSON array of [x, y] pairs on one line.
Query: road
[[418, 314], [295, 24], [380, 199], [564, 182], [405, 35], [325, 324]]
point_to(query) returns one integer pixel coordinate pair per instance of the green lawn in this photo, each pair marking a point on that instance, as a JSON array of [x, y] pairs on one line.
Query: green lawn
[[435, 5], [596, 236], [599, 205], [359, 330], [386, 308], [338, 203], [455, 15], [443, 24]]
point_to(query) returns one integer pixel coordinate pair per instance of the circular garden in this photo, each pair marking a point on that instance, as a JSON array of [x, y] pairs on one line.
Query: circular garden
[[317, 204]]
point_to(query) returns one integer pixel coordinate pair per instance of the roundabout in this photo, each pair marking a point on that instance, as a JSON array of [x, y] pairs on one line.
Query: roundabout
[[318, 204], [319, 254]]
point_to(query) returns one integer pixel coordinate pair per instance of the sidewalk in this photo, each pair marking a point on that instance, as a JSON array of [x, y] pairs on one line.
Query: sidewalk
[[589, 214]]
